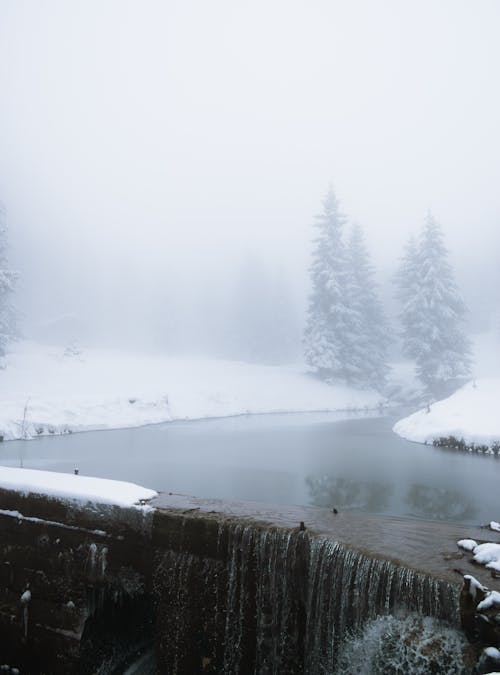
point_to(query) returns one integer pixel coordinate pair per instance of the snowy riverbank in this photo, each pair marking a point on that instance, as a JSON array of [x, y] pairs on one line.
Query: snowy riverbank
[[470, 415], [43, 391]]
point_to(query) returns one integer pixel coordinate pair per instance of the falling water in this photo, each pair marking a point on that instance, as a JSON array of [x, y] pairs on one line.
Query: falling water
[[263, 600], [347, 588]]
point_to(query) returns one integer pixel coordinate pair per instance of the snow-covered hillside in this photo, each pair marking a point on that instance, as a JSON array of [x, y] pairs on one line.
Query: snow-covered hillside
[[471, 414], [42, 390]]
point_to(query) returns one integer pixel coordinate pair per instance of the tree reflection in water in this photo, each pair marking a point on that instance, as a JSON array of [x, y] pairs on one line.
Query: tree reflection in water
[[439, 503], [345, 493], [422, 501]]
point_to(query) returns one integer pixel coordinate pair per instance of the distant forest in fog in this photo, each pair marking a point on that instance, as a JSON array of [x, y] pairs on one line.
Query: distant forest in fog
[[251, 308], [161, 163]]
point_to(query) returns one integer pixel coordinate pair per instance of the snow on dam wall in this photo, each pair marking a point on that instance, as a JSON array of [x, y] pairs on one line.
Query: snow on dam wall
[[216, 587]]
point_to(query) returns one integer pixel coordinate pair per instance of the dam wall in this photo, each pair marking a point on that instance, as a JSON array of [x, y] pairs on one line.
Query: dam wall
[[214, 587]]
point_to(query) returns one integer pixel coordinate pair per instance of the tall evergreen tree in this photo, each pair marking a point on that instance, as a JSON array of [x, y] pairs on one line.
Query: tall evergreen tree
[[7, 281], [433, 313], [368, 334], [325, 343], [408, 285]]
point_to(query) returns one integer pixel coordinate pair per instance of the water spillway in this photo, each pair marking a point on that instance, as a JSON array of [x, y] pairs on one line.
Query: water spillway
[[261, 598], [221, 587], [275, 602]]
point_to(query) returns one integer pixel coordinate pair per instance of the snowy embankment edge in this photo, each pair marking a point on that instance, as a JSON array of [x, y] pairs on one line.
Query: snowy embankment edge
[[65, 429], [468, 419], [76, 488]]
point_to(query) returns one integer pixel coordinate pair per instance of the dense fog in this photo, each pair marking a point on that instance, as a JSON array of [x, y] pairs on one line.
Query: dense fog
[[161, 163]]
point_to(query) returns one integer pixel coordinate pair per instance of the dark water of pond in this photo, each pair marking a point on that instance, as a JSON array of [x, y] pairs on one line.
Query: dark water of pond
[[306, 459]]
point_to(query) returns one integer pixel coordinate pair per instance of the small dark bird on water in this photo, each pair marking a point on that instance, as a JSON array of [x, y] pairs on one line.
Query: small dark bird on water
[[334, 510]]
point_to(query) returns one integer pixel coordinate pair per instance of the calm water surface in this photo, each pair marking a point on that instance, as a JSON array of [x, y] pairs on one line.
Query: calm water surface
[[306, 459]]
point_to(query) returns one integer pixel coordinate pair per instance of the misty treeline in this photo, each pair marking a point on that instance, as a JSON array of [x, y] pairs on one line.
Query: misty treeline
[[347, 336]]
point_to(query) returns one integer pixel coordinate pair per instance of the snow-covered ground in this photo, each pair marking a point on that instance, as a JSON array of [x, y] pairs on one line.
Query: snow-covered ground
[[471, 414], [42, 390]]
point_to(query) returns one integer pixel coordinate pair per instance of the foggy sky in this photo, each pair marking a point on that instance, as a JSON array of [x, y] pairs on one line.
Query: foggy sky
[[150, 149]]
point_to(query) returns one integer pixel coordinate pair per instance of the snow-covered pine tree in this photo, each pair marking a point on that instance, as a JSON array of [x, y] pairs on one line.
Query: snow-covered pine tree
[[407, 281], [325, 340], [7, 282], [433, 317], [369, 338]]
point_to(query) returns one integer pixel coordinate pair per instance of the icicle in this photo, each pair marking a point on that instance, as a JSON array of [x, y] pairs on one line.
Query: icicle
[[25, 600]]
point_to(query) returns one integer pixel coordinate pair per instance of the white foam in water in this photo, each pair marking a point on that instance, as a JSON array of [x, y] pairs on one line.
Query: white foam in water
[[415, 644]]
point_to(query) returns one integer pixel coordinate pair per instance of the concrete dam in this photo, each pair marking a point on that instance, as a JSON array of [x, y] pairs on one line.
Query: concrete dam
[[233, 588]]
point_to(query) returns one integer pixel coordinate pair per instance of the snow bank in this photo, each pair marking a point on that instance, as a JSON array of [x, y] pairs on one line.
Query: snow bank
[[77, 488], [42, 390], [469, 415]]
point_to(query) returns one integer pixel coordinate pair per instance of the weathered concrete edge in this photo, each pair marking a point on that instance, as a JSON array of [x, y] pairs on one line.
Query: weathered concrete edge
[[428, 547]]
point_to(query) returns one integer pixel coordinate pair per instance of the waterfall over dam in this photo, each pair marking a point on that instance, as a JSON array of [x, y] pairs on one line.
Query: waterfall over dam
[[230, 588]]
